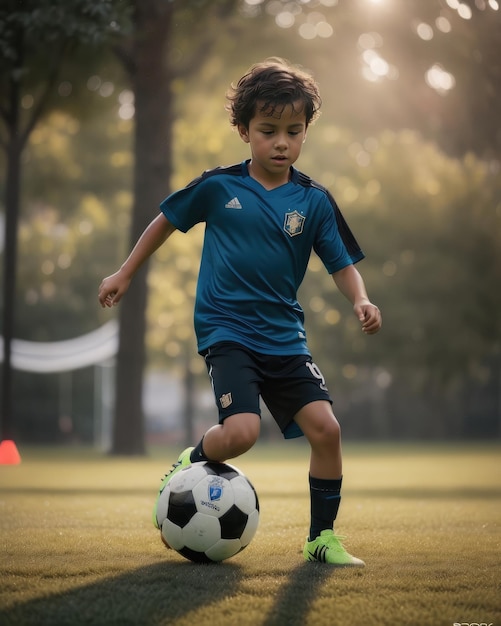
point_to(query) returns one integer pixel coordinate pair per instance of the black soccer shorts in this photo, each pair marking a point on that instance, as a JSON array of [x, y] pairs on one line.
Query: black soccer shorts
[[240, 376]]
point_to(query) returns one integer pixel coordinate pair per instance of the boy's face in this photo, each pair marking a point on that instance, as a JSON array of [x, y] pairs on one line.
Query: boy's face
[[276, 138]]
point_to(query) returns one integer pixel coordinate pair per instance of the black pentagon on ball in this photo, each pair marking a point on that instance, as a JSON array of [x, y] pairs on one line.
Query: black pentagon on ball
[[233, 523], [195, 556], [182, 508], [220, 469]]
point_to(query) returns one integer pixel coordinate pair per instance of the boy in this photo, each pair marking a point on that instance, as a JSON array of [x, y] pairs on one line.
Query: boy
[[263, 217]]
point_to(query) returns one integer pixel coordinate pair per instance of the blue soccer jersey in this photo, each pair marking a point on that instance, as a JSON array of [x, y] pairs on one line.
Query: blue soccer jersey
[[256, 250]]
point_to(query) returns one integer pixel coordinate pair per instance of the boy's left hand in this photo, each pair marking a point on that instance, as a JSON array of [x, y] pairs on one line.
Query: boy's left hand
[[370, 317]]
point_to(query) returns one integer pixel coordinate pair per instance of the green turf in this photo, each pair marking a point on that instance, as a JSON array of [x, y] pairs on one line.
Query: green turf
[[77, 545]]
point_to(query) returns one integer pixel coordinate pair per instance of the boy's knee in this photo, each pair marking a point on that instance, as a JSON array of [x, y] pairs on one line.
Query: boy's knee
[[334, 431], [328, 432], [242, 432], [244, 442], [323, 430]]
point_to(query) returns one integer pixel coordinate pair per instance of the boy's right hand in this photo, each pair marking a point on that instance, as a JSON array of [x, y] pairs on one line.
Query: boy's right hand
[[112, 289]]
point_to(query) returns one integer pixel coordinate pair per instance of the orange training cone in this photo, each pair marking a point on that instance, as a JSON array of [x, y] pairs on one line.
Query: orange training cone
[[9, 454]]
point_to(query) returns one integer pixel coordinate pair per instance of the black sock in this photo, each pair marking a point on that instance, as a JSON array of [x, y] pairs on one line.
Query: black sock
[[325, 497], [198, 454]]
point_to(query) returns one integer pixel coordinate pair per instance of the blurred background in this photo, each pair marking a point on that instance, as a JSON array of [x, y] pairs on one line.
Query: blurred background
[[106, 107]]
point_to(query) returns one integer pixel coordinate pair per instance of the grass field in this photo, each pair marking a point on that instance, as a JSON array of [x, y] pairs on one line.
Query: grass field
[[77, 545]]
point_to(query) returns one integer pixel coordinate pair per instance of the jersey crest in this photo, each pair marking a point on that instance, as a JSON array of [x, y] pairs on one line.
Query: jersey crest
[[294, 223]]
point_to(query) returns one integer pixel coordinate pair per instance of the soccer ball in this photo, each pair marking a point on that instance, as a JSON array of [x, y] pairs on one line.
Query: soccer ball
[[208, 512]]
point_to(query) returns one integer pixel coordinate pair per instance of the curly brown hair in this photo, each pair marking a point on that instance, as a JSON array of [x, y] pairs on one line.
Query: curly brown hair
[[271, 85]]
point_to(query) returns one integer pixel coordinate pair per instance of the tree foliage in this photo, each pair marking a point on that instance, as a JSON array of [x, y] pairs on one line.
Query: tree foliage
[[36, 38], [430, 65]]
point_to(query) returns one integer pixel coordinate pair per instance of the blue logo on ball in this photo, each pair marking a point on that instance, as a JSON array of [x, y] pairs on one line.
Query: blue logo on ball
[[215, 491]]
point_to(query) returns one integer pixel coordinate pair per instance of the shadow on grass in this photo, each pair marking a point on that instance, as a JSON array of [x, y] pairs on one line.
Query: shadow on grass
[[296, 597], [149, 596], [163, 593]]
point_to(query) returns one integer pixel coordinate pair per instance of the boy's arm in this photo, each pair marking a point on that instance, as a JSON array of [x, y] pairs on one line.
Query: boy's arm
[[351, 285], [113, 287]]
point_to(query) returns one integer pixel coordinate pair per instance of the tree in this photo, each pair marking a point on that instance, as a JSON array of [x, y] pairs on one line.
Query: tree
[[35, 38], [153, 66]]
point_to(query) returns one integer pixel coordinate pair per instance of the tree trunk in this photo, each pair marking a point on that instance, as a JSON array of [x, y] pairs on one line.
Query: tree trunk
[[152, 172], [9, 280], [12, 195]]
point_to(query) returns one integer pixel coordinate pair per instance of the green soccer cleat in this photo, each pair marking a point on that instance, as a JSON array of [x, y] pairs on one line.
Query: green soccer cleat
[[182, 461], [327, 548]]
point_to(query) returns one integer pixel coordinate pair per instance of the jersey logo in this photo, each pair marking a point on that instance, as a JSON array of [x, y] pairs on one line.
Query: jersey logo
[[294, 223], [234, 203]]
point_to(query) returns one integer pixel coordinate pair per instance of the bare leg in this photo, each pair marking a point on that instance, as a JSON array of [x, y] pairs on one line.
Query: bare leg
[[321, 428]]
